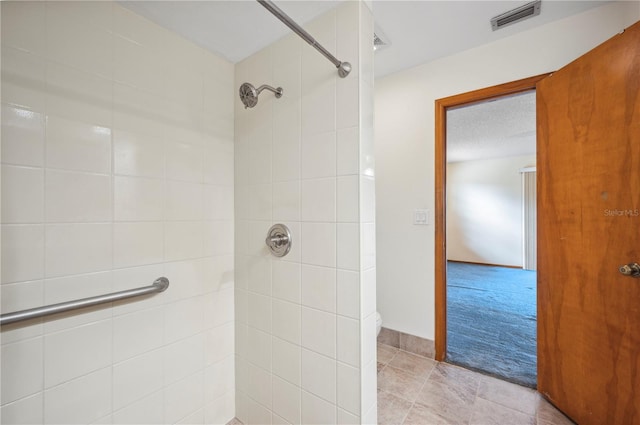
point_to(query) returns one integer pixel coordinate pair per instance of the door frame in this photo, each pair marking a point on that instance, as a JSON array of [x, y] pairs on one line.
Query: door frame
[[441, 106]]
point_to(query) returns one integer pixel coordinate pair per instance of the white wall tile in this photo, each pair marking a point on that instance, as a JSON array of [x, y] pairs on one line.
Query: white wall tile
[[138, 153], [21, 296], [348, 341], [348, 246], [286, 280], [348, 293], [22, 131], [259, 348], [318, 200], [260, 275], [316, 410], [148, 410], [347, 199], [183, 240], [286, 321], [22, 252], [219, 159], [183, 358], [137, 244], [368, 199], [221, 410], [368, 247], [286, 400], [258, 414], [184, 201], [22, 194], [77, 197], [219, 379], [319, 331], [21, 369], [260, 202], [183, 397], [138, 65], [92, 52], [286, 201], [347, 102], [260, 385], [68, 88], [138, 199], [218, 237], [319, 288], [182, 319], [218, 202], [218, 343], [25, 411], [90, 394], [348, 151], [286, 140], [368, 392], [98, 115], [218, 308], [319, 244], [218, 273], [23, 26], [368, 292], [348, 388], [137, 378], [77, 145], [78, 248], [92, 345], [319, 375], [346, 418], [184, 161], [286, 360], [318, 155], [368, 339], [260, 312]]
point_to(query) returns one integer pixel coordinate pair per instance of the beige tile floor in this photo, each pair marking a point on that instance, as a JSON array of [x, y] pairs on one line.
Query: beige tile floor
[[414, 390]]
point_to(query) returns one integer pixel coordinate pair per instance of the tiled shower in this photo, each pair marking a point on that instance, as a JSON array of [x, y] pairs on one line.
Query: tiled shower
[[126, 155]]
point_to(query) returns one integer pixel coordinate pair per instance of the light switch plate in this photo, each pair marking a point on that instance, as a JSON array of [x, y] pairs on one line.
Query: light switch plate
[[421, 217]]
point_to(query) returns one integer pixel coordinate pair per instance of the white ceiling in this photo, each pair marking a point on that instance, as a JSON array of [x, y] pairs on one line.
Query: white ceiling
[[418, 31], [493, 129]]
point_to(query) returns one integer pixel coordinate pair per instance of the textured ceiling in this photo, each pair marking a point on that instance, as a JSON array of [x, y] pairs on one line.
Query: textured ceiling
[[493, 129], [418, 31]]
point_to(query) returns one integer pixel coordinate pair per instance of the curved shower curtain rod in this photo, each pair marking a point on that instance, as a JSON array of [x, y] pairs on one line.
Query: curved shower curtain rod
[[344, 68]]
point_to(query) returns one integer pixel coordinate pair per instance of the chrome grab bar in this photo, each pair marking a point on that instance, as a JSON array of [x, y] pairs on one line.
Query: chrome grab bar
[[159, 285]]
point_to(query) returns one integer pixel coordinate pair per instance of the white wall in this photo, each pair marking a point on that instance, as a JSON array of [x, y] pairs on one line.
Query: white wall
[[305, 323], [404, 140], [484, 210], [117, 168]]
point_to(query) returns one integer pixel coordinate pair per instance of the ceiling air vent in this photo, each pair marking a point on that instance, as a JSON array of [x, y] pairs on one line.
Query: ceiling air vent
[[516, 15]]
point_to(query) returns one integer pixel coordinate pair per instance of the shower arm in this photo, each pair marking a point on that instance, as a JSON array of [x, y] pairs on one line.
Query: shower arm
[[344, 68], [277, 92]]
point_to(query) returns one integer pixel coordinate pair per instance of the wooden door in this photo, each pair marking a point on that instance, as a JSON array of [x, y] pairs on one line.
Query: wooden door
[[589, 225]]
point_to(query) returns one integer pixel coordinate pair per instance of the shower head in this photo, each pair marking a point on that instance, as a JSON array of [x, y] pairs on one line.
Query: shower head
[[249, 94]]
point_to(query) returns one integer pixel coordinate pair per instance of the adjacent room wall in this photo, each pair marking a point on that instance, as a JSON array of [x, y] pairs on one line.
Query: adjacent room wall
[[117, 168], [305, 323], [404, 133], [484, 210]]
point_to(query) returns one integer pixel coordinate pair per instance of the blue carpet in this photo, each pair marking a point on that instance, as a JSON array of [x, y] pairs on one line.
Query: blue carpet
[[491, 321]]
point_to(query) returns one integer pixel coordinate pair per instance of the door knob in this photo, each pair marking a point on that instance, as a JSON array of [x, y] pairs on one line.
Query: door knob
[[631, 269]]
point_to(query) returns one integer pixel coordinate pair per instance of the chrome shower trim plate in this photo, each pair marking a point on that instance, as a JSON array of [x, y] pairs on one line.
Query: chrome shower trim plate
[[279, 240]]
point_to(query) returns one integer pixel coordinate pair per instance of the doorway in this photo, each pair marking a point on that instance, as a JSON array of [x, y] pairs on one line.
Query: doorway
[[442, 225]]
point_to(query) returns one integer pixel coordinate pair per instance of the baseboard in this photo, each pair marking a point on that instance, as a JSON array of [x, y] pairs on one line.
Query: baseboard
[[411, 343], [485, 264]]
